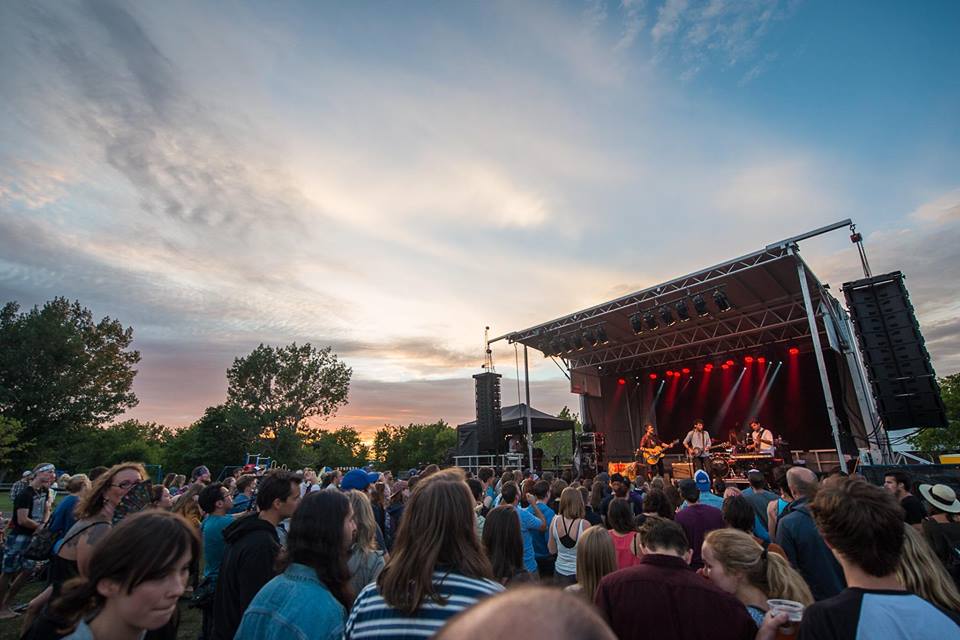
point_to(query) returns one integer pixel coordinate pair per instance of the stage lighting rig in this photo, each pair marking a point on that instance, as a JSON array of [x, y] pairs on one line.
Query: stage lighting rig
[[577, 342], [650, 320], [591, 337], [721, 300], [700, 304], [636, 323], [602, 335], [667, 317], [682, 312]]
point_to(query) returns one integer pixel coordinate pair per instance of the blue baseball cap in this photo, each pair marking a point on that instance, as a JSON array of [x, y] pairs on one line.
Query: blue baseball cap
[[702, 479], [358, 479]]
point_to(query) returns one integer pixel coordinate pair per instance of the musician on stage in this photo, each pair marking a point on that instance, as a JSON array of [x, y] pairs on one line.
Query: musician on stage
[[761, 439], [647, 442], [698, 444]]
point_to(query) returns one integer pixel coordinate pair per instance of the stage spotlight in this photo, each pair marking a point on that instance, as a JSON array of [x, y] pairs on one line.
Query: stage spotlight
[[621, 381], [762, 360], [667, 317], [700, 304], [748, 359], [653, 376], [602, 335], [686, 370], [669, 374], [565, 345], [793, 351], [721, 300], [708, 367], [554, 347], [578, 342], [682, 312], [636, 323], [724, 366], [650, 320], [729, 363], [591, 337]]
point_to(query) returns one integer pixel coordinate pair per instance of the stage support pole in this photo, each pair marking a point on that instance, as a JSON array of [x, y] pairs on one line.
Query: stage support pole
[[526, 411], [821, 363]]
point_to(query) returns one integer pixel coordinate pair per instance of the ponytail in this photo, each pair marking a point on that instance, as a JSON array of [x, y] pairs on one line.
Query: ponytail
[[79, 596], [739, 553], [784, 581]]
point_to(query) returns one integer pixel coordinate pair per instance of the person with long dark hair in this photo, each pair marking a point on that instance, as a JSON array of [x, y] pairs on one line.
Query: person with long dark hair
[[436, 568], [136, 576], [310, 599], [503, 544]]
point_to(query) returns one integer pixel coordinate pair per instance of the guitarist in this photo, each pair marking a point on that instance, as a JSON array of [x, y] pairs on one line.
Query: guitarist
[[647, 442], [761, 439], [698, 444]]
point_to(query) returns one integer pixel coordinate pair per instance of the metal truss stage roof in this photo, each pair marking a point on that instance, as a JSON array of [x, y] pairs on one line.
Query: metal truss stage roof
[[765, 308]]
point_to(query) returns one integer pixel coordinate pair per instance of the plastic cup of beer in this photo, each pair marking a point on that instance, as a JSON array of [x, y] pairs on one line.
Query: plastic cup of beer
[[794, 611]]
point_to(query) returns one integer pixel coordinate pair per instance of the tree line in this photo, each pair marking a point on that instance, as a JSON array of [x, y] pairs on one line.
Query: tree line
[[65, 379]]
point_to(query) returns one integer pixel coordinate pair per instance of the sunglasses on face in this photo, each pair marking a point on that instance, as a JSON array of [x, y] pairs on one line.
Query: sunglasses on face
[[126, 484]]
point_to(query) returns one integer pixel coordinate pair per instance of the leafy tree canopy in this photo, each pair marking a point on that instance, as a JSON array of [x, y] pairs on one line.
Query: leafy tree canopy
[[397, 448], [942, 440], [62, 373], [339, 448]]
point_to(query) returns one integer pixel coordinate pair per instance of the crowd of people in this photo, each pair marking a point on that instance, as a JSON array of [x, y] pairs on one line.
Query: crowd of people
[[452, 554]]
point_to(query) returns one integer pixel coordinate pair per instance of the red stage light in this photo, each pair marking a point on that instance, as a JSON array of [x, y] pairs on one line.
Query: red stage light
[[762, 360], [724, 366], [793, 351], [729, 363], [685, 370], [653, 376], [708, 367], [748, 359], [669, 373], [621, 381]]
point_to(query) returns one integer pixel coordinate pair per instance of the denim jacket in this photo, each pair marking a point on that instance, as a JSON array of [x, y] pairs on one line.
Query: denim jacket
[[293, 606]]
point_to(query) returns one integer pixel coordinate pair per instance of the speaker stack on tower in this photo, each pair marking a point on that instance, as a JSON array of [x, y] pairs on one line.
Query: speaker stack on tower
[[904, 384], [489, 417]]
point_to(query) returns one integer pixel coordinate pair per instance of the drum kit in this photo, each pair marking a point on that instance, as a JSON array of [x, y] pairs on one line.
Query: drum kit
[[736, 460]]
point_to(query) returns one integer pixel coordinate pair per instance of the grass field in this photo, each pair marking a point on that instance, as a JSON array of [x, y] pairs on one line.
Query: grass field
[[10, 629]]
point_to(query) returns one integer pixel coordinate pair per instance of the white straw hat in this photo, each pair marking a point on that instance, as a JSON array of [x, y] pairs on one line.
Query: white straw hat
[[941, 496]]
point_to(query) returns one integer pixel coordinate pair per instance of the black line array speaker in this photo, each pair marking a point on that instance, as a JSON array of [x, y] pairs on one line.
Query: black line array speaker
[[489, 416], [898, 365]]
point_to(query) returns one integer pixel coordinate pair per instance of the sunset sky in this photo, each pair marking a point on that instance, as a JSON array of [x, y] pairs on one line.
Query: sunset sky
[[389, 178]]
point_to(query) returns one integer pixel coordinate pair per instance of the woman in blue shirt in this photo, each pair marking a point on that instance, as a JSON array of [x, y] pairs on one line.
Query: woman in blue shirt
[[310, 599]]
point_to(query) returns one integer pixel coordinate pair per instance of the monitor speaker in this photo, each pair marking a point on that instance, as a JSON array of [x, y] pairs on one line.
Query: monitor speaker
[[682, 470], [898, 365]]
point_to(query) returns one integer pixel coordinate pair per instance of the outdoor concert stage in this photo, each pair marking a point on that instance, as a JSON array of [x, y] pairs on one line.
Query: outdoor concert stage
[[759, 335]]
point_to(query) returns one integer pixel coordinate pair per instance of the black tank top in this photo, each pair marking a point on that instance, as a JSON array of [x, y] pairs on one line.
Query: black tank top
[[565, 539]]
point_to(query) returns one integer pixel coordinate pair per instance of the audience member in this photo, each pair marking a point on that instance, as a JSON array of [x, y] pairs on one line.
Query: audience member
[[63, 516], [921, 572], [863, 526], [655, 503], [136, 577], [395, 511], [503, 544], [532, 523], [544, 558], [309, 483], [623, 532], [244, 500], [487, 478], [739, 514], [618, 489], [31, 508], [476, 490], [776, 509], [531, 613], [160, 498], [758, 496], [436, 570], [591, 502], [596, 557], [564, 534], [187, 505], [216, 502], [899, 484], [662, 598], [200, 475], [366, 557], [252, 548], [697, 520], [310, 599], [942, 528], [735, 562]]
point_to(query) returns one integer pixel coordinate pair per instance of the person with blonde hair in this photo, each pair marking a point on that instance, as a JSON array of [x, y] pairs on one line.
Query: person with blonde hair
[[565, 532], [735, 562], [921, 572], [596, 557], [366, 559]]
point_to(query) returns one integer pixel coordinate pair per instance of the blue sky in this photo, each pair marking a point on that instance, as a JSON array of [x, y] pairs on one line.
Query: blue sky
[[389, 178]]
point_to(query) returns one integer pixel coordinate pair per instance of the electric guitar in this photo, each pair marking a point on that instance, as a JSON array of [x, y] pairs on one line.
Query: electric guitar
[[653, 455]]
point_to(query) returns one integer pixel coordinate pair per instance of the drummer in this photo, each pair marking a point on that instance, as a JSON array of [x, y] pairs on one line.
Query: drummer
[[733, 442]]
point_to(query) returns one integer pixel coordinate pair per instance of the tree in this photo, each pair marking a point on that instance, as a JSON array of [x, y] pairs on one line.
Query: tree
[[397, 447], [282, 386], [10, 439], [557, 445], [340, 448], [126, 441], [61, 374], [948, 439], [220, 438]]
